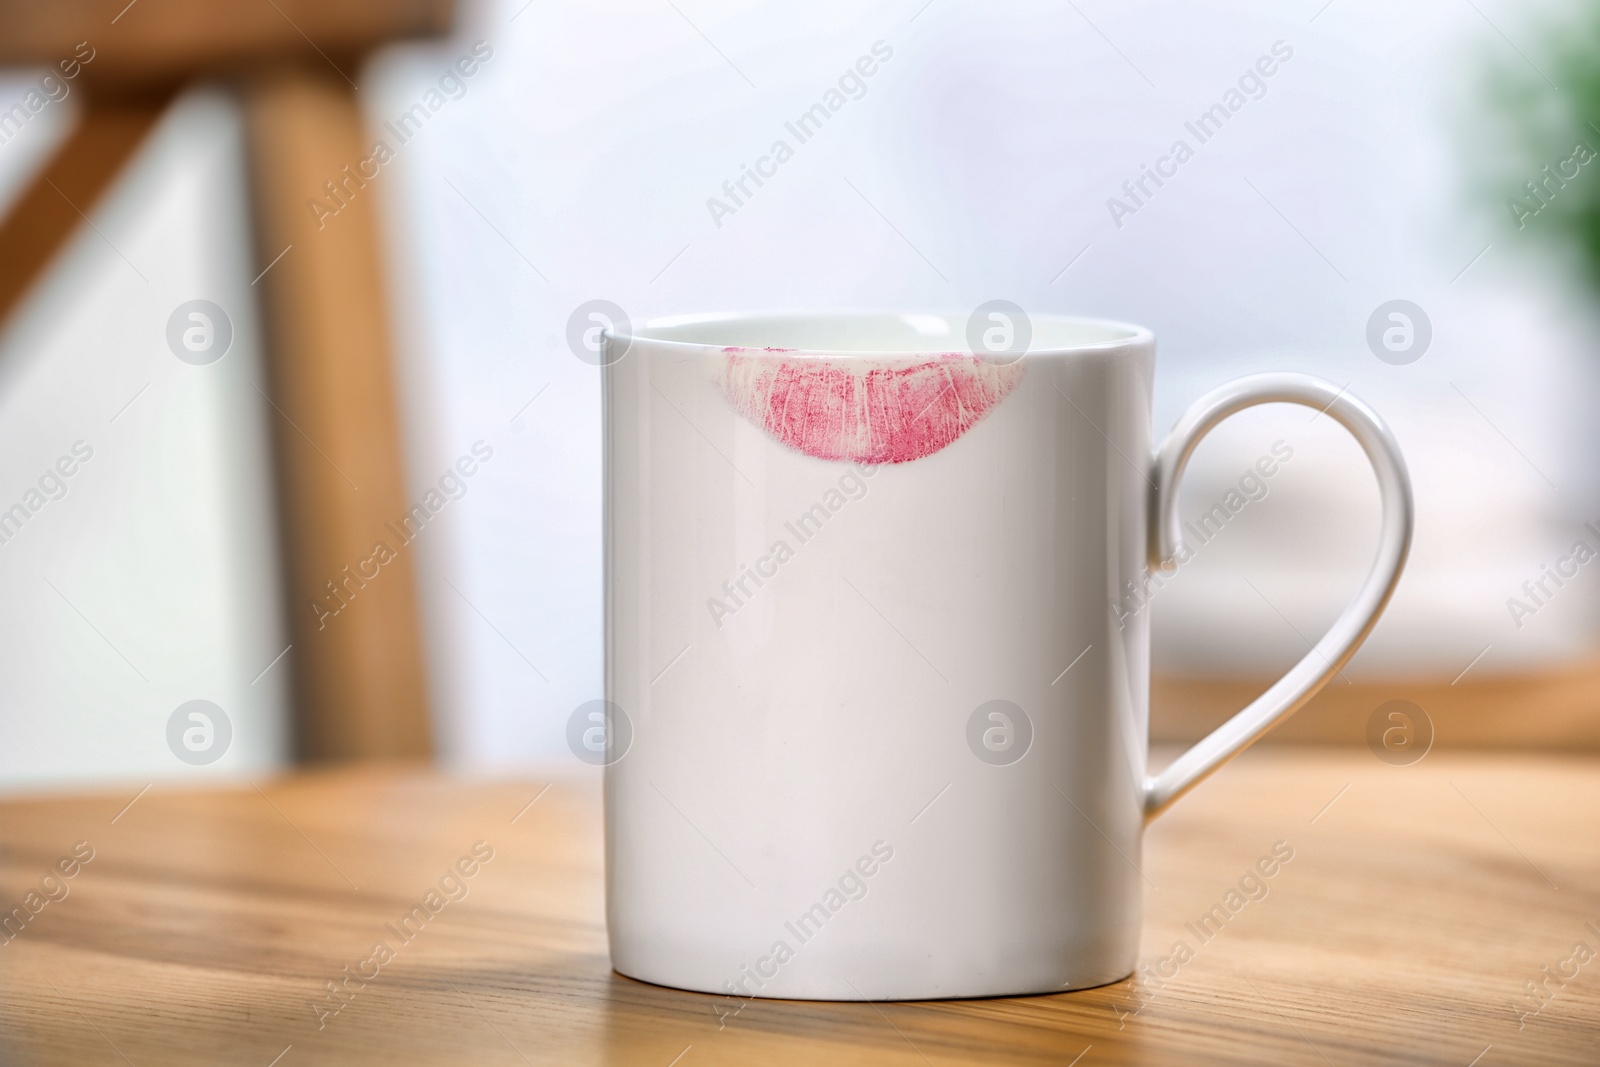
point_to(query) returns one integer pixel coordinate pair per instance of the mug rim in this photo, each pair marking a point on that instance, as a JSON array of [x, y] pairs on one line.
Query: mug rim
[[1128, 335]]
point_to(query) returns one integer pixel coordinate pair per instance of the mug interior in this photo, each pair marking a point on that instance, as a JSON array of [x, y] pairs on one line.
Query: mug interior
[[858, 333]]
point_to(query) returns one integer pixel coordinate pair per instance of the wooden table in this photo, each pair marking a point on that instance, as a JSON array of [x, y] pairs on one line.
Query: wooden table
[[1418, 902]]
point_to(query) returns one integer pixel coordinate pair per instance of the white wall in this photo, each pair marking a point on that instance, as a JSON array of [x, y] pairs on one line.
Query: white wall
[[153, 580]]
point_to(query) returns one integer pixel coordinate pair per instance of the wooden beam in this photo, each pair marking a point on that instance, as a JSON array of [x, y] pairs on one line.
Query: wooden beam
[[167, 41], [359, 675], [54, 205]]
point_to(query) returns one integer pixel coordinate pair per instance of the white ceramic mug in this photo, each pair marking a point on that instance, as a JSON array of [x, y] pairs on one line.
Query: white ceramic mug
[[877, 730]]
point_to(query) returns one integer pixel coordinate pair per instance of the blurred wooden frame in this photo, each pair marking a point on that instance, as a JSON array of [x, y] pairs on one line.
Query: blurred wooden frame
[[359, 681]]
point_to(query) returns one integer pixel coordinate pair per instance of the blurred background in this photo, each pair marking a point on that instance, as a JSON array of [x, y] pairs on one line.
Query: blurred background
[[285, 285]]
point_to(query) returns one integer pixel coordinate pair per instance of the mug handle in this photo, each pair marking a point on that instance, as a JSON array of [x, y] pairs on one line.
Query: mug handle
[[1333, 651]]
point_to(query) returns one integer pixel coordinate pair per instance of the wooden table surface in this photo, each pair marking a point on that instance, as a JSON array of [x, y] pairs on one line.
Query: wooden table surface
[[1418, 903]]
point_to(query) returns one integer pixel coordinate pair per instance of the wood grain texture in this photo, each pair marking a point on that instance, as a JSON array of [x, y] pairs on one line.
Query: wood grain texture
[[167, 41], [1549, 709], [1418, 901], [357, 646]]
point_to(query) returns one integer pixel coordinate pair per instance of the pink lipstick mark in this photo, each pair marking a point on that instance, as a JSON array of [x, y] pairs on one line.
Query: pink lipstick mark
[[864, 411]]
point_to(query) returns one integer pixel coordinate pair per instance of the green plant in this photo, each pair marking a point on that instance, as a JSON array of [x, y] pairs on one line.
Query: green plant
[[1545, 101]]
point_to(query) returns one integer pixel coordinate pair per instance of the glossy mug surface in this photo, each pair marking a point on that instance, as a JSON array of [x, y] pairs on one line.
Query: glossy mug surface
[[876, 725]]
